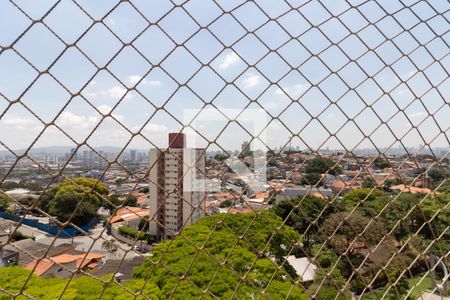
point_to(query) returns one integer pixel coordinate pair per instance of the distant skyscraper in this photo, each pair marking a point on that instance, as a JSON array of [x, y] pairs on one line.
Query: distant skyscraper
[[133, 155], [89, 158], [245, 146], [74, 152], [173, 197]]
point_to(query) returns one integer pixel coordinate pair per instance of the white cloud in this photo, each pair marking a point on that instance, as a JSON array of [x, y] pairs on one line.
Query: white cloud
[[251, 80], [104, 109], [229, 60], [409, 74], [68, 119], [152, 128], [90, 94], [133, 79], [155, 128], [17, 122], [417, 114], [294, 91], [117, 91], [152, 82]]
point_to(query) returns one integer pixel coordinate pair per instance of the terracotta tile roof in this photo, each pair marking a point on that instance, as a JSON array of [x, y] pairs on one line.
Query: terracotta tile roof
[[261, 195], [129, 213], [143, 199], [41, 268], [412, 189], [82, 260]]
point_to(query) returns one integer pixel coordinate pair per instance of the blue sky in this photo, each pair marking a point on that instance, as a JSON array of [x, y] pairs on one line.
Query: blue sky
[[306, 63]]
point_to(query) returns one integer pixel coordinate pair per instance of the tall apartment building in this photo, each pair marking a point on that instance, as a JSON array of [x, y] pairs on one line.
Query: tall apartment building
[[132, 155], [176, 195]]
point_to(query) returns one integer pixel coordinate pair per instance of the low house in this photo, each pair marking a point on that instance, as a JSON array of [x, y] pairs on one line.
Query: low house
[[63, 265], [412, 189], [143, 201], [341, 187], [28, 250], [4, 236], [130, 216], [8, 257], [256, 204], [303, 267], [306, 190]]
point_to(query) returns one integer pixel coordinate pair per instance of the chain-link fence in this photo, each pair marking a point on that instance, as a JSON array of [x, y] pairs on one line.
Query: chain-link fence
[[270, 149]]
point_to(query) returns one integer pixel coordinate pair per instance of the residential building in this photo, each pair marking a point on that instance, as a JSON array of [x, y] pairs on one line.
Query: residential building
[[176, 195], [132, 155], [303, 267], [63, 265]]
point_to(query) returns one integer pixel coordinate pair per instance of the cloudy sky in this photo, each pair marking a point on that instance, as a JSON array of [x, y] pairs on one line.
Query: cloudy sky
[[367, 72]]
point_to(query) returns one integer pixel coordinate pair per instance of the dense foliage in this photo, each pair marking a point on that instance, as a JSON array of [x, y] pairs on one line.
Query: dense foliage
[[221, 156], [380, 163], [233, 258], [4, 201], [321, 165], [133, 234], [74, 201], [226, 258], [114, 201], [350, 240], [318, 166], [26, 184], [341, 235]]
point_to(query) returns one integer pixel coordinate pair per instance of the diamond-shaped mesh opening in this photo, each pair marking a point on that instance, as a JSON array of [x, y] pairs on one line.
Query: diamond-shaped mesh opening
[[284, 149]]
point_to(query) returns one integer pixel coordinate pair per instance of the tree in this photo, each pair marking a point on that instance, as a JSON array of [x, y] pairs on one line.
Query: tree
[[119, 181], [370, 201], [18, 236], [367, 183], [4, 201], [311, 179], [114, 201], [177, 269], [437, 174], [300, 214], [143, 224], [130, 201], [380, 163], [221, 156], [327, 283], [348, 227], [82, 197], [249, 233], [145, 190], [10, 185], [322, 165], [226, 203], [110, 246]]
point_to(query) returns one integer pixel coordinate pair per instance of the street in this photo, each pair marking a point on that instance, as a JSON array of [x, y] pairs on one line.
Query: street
[[83, 243]]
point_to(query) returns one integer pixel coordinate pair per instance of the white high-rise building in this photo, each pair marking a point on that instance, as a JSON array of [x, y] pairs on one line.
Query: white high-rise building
[[176, 197]]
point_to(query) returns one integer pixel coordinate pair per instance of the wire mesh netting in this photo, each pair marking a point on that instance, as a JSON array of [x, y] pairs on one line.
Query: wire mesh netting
[[268, 149]]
